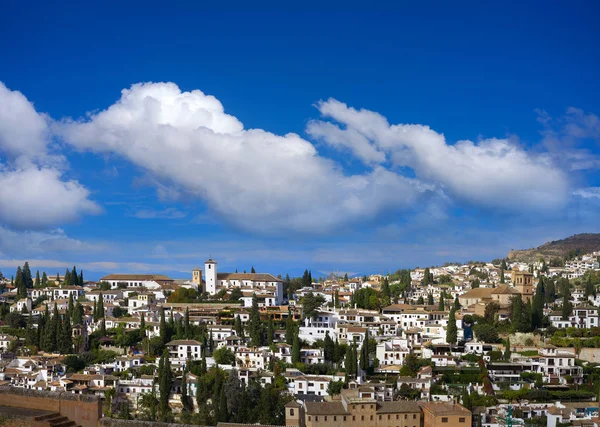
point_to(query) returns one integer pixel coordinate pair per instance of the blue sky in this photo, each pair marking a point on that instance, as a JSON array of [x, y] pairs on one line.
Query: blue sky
[[329, 137]]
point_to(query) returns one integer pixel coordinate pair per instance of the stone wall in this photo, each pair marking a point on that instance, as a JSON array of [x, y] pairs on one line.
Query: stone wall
[[84, 410], [110, 422]]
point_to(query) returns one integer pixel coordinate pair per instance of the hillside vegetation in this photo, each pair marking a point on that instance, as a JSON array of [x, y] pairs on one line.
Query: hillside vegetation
[[565, 248]]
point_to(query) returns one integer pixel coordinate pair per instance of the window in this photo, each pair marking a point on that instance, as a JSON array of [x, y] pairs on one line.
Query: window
[[414, 416], [380, 418], [461, 420], [362, 417], [325, 417], [309, 418], [353, 417], [344, 418], [397, 416], [316, 418], [334, 418], [371, 417], [444, 419], [405, 416], [389, 417], [291, 412]]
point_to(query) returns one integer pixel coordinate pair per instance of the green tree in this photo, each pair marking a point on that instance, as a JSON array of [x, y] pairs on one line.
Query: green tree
[[506, 354], [537, 308], [27, 278], [165, 383], [44, 280], [239, 328], [296, 349], [311, 304], [430, 299], [567, 306], [452, 330], [163, 333], [255, 326], [38, 281], [420, 300], [290, 328], [100, 306], [270, 331], [441, 305]]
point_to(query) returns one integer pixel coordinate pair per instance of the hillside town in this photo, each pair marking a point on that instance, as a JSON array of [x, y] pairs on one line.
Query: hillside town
[[476, 344]]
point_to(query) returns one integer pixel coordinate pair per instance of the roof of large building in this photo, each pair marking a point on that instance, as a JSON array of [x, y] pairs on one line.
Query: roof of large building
[[504, 289], [325, 408], [398, 406], [477, 293], [140, 277], [255, 277], [443, 408]]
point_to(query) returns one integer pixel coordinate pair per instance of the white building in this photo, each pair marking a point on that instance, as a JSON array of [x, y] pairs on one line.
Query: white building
[[149, 281], [261, 283]]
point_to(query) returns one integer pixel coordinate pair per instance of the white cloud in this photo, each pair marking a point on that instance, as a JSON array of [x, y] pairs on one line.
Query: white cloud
[[37, 198], [493, 172], [40, 243], [253, 178], [588, 193], [22, 130], [33, 193], [168, 213]]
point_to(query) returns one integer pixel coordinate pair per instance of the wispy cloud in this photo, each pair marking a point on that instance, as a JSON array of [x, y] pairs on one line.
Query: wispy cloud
[[168, 213]]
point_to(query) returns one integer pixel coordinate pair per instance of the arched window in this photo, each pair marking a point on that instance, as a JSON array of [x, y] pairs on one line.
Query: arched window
[[291, 412]]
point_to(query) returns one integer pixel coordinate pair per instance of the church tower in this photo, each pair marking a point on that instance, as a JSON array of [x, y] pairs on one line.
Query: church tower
[[210, 269]]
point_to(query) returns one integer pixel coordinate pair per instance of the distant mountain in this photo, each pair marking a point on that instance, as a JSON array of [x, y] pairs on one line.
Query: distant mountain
[[580, 243]]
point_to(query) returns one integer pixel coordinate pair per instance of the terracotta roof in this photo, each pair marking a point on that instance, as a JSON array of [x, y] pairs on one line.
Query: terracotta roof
[[325, 408], [442, 408], [256, 277], [141, 277], [398, 406]]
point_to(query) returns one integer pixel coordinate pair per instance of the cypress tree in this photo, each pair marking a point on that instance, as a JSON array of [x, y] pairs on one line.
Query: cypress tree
[[27, 278], [567, 307], [103, 328], [252, 270], [239, 328], [430, 299], [165, 383], [290, 328], [70, 308], [163, 328], [67, 281], [296, 349], [77, 316], [142, 322], [20, 283], [537, 309], [81, 282], [364, 353], [270, 331], [452, 330], [255, 325], [456, 303], [74, 277], [44, 280], [187, 330], [441, 306], [507, 349], [101, 305], [185, 400], [95, 311], [38, 281]]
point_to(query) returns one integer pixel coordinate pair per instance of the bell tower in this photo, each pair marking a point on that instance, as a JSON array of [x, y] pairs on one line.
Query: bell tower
[[210, 270]]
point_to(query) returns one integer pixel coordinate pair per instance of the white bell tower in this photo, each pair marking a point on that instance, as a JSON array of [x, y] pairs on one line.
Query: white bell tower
[[210, 270]]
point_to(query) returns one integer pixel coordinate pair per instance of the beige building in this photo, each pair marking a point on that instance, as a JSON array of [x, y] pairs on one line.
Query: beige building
[[353, 410], [503, 294], [442, 414], [523, 283]]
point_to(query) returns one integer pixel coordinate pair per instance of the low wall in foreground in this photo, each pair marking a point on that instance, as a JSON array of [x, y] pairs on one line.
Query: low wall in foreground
[[85, 410]]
